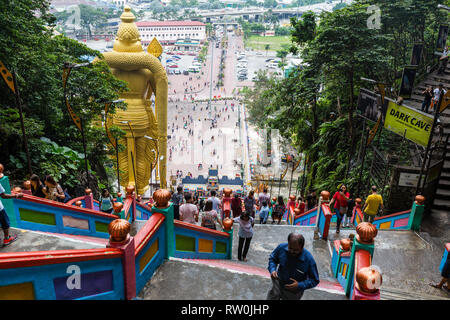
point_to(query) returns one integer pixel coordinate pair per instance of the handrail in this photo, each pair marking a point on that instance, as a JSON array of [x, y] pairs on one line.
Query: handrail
[[61, 205], [72, 201], [38, 258], [148, 230], [194, 227], [307, 212]]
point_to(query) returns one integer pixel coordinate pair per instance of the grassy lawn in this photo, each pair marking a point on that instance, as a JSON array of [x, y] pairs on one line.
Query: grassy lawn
[[259, 42]]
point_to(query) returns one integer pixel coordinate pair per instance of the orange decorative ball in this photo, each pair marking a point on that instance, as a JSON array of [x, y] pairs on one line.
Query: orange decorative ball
[[274, 198], [162, 198], [227, 223], [325, 195], [130, 189], [292, 197], [27, 185], [118, 206], [78, 203], [420, 200], [345, 244], [118, 230], [87, 191], [119, 194], [17, 190], [368, 280], [366, 232], [358, 201]]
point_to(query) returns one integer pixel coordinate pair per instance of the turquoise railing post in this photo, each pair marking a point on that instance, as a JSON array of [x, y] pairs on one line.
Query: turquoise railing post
[[417, 210], [8, 203], [351, 267], [230, 243], [169, 229]]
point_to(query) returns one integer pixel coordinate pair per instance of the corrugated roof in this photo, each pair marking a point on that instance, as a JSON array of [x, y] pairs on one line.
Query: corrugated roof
[[169, 24]]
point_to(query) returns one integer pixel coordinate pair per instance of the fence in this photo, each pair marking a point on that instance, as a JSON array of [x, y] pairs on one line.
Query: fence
[[39, 214], [194, 242], [47, 275]]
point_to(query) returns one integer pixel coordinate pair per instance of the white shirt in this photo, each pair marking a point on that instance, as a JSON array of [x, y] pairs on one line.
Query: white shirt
[[2, 190], [437, 93]]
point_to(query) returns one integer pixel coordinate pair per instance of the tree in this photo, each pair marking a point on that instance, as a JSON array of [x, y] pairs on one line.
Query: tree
[[39, 78]]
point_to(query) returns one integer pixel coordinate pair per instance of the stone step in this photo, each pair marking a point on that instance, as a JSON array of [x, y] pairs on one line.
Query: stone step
[[388, 293], [441, 204], [443, 194]]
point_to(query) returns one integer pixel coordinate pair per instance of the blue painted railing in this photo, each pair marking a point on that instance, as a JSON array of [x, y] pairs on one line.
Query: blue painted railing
[[39, 214]]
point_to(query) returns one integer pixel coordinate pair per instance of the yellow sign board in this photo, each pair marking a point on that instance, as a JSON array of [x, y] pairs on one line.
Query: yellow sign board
[[401, 118]]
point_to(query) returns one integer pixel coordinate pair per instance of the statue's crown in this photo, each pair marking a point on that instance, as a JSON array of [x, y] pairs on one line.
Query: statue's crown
[[127, 39]]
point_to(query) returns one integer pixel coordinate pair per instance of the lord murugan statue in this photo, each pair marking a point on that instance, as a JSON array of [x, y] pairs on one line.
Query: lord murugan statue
[[145, 76]]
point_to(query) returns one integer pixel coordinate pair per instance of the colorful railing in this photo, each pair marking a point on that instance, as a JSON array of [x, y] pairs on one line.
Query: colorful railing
[[62, 275], [150, 248], [405, 220], [323, 220], [306, 219], [195, 242], [143, 212], [39, 214]]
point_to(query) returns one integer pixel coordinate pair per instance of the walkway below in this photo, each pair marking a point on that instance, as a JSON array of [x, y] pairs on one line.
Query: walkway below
[[406, 259]]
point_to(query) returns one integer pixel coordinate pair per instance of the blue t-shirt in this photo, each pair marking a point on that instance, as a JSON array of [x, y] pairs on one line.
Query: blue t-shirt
[[264, 213], [302, 268]]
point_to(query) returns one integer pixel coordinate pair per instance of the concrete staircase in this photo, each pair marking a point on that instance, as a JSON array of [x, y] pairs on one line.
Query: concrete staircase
[[442, 198], [407, 262]]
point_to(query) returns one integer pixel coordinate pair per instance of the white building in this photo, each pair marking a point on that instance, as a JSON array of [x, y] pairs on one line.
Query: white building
[[168, 32]]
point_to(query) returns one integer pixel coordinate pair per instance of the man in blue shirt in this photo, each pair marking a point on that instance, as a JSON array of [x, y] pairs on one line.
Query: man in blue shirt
[[297, 270]]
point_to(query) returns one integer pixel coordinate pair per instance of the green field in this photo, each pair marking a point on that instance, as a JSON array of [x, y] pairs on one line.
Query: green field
[[259, 42]]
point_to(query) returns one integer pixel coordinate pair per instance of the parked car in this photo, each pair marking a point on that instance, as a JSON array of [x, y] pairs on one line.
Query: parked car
[[186, 73], [170, 71], [177, 71]]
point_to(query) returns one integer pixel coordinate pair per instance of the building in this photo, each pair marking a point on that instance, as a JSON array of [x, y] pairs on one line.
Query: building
[[169, 32]]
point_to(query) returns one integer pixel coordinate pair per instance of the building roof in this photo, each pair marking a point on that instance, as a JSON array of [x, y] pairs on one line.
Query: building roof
[[169, 24]]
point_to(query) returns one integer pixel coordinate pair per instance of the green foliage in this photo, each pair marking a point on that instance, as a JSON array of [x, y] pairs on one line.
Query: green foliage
[[337, 49], [28, 47]]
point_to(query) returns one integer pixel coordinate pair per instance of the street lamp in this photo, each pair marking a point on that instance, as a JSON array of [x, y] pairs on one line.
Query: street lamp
[[131, 151], [67, 68], [157, 158]]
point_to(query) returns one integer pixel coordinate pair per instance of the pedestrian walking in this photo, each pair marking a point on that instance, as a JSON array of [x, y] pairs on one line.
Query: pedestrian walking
[[428, 95], [188, 210], [278, 210], [106, 201], [249, 203], [340, 199], [445, 273], [246, 223], [373, 203], [292, 270], [4, 219], [236, 205], [263, 212], [177, 201], [210, 216]]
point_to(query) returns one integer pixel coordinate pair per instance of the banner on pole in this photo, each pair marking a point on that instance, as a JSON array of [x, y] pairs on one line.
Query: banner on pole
[[403, 120], [371, 106], [7, 76]]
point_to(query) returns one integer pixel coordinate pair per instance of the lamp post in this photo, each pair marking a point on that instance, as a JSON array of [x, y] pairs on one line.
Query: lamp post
[[131, 151], [116, 144], [67, 68], [158, 158]]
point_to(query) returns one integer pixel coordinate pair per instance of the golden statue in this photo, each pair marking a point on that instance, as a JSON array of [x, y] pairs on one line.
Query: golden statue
[[145, 76]]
